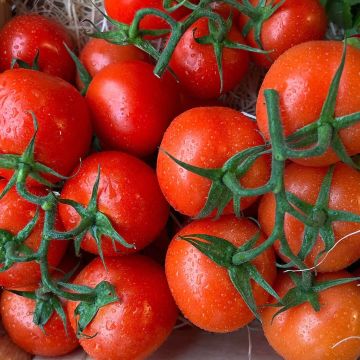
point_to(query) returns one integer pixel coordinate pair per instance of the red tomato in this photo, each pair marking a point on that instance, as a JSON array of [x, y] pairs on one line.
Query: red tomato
[[302, 333], [129, 195], [132, 107], [125, 10], [302, 77], [202, 289], [24, 35], [136, 325], [17, 318], [16, 213], [65, 131], [295, 22], [196, 67], [206, 137], [305, 183]]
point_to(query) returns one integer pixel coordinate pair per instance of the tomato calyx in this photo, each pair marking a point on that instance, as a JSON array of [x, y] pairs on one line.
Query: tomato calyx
[[222, 252], [24, 65]]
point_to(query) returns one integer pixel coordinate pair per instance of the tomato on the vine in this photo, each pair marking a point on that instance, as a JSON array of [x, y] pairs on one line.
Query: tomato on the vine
[[25, 35], [196, 67], [142, 319], [330, 334], [305, 183], [206, 137], [302, 77], [295, 22], [201, 288], [129, 195]]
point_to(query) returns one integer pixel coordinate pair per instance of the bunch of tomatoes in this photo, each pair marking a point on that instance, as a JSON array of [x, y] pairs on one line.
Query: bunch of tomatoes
[[123, 161]]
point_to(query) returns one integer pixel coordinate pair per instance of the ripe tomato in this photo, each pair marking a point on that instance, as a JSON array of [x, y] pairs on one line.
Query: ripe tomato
[[129, 195], [302, 333], [24, 35], [295, 22], [305, 183], [202, 288], [131, 107], [140, 321], [17, 317], [15, 214], [65, 130], [125, 10], [196, 67], [206, 137], [302, 77]]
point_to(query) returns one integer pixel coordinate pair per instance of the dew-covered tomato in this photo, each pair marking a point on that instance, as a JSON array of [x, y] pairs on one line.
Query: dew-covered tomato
[[301, 333], [302, 77], [16, 213], [132, 107], [25, 35], [129, 195], [65, 130], [206, 137], [195, 64], [201, 288], [142, 319], [305, 183], [17, 314], [295, 22]]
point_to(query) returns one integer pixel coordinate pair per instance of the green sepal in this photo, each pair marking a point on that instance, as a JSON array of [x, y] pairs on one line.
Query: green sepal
[[24, 65]]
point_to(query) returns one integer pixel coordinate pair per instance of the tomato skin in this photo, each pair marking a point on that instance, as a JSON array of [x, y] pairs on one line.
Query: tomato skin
[[206, 137], [16, 213], [24, 35], [118, 96], [136, 326], [301, 333], [65, 129], [17, 318], [202, 288], [305, 183], [129, 195], [295, 76], [196, 67], [295, 22]]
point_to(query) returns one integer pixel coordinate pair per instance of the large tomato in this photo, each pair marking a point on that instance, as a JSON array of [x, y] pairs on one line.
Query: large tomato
[[206, 137], [17, 318], [129, 195], [132, 107], [195, 64], [24, 35], [330, 334], [293, 23], [302, 77], [136, 325], [305, 183], [16, 213], [65, 130], [202, 289]]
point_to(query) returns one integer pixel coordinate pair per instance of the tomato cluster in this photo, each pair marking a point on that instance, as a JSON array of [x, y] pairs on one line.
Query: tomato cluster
[[265, 214]]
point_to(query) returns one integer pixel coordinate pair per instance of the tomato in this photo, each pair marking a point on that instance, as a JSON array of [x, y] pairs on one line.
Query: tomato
[[206, 137], [129, 195], [132, 107], [195, 64], [16, 213], [65, 130], [136, 325], [17, 318], [125, 10], [302, 77], [295, 22], [302, 333], [24, 35], [305, 183], [202, 288], [225, 10]]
